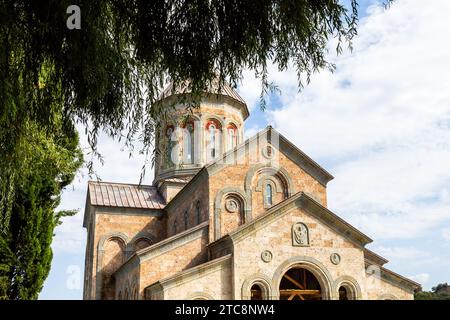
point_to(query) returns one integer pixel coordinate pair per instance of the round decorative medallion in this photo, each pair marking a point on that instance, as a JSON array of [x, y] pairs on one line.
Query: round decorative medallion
[[335, 258], [231, 205], [268, 152], [266, 256]]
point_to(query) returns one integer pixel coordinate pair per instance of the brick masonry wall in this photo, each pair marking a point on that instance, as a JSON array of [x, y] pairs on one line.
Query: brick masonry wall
[[127, 224], [187, 201], [169, 263], [277, 237], [215, 285], [233, 176]]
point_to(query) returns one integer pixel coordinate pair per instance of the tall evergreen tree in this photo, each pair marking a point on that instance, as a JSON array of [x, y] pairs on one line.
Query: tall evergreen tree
[[48, 165]]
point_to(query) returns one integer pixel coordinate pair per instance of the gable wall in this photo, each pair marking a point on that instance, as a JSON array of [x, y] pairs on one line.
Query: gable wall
[[277, 238], [234, 176], [124, 226]]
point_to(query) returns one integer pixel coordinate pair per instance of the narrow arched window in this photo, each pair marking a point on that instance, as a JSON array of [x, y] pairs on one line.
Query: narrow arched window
[[212, 141], [232, 136], [175, 227], [186, 220], [188, 147], [170, 144], [198, 212], [256, 292], [343, 294], [268, 195]]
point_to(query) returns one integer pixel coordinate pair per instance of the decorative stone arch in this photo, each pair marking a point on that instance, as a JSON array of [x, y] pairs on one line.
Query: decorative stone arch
[[276, 183], [264, 282], [314, 266], [387, 296], [221, 148], [197, 135], [350, 284], [100, 253], [246, 201], [211, 116], [237, 131], [143, 235], [134, 288], [275, 170], [110, 235], [199, 295]]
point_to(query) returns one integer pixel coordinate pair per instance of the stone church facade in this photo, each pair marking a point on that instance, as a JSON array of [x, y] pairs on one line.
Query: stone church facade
[[227, 219]]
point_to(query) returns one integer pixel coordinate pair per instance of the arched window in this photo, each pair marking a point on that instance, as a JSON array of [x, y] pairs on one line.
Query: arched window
[[197, 208], [256, 292], [343, 295], [268, 197], [186, 220], [169, 148], [348, 290], [213, 140], [188, 147], [232, 136], [175, 226]]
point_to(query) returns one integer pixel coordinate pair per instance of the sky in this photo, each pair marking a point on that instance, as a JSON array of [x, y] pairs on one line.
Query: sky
[[380, 124]]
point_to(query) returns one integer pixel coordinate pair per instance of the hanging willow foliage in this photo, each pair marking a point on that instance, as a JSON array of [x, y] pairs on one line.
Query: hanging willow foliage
[[97, 73]]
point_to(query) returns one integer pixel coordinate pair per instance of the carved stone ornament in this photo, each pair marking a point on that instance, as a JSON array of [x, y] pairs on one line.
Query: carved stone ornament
[[231, 205], [268, 152], [300, 234], [266, 256], [335, 258]]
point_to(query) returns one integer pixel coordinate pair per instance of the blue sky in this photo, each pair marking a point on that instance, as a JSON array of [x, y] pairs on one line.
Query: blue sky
[[380, 124]]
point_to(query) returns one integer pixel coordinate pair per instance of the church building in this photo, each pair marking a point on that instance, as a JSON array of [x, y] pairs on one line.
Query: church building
[[227, 218]]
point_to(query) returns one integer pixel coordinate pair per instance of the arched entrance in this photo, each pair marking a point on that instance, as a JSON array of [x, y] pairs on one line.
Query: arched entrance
[[299, 283]]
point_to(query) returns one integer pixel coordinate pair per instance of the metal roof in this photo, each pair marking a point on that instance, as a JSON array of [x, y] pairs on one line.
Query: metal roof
[[124, 195], [226, 90]]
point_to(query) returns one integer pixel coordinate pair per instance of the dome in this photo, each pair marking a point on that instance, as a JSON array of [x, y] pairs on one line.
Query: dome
[[226, 91]]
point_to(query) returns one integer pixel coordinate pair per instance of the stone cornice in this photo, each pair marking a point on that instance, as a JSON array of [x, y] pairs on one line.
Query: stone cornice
[[374, 258], [303, 201], [164, 246], [334, 221], [285, 146], [173, 242], [398, 280], [180, 98], [185, 192], [126, 211], [193, 273]]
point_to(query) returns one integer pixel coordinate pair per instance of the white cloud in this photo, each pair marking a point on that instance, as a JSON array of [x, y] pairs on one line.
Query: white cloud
[[421, 278], [401, 253], [382, 121], [446, 234]]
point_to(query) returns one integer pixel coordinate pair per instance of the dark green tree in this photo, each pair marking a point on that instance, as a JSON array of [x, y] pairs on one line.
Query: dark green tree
[[49, 164], [439, 292]]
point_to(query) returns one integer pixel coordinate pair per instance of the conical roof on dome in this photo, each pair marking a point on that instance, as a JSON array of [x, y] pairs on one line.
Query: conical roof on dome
[[225, 90]]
